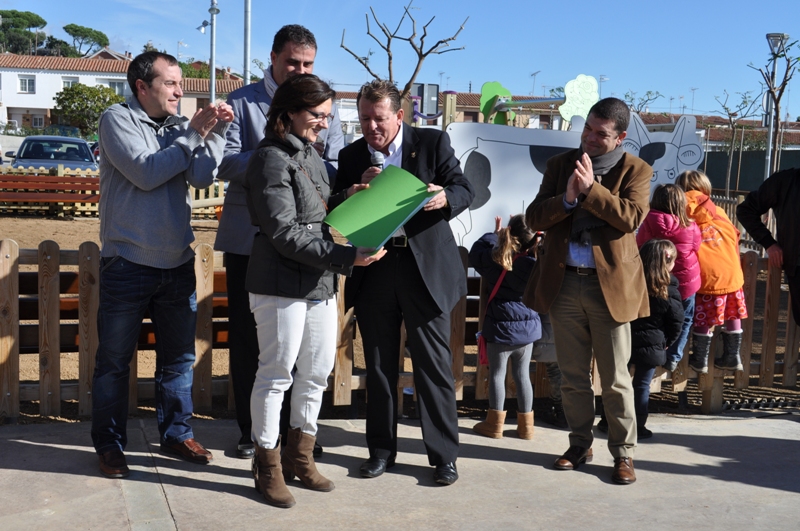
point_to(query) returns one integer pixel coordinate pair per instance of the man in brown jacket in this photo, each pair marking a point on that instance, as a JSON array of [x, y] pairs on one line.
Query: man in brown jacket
[[591, 280]]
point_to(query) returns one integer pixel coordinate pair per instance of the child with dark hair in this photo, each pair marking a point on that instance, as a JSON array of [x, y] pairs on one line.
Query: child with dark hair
[[650, 336], [668, 220], [509, 327]]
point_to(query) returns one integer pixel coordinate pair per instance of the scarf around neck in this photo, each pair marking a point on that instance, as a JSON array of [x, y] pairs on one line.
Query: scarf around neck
[[582, 221], [269, 82]]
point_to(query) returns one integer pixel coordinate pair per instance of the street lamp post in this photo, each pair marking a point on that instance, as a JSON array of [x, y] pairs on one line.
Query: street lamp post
[[213, 11], [777, 43], [246, 72], [600, 80]]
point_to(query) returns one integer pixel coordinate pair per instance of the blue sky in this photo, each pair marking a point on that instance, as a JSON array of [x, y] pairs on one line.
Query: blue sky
[[659, 46]]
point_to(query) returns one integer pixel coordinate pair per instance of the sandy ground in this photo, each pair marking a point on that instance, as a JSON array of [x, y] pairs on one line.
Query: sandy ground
[[29, 232]]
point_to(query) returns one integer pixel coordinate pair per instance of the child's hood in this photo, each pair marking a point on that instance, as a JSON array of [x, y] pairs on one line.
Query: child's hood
[[699, 206]]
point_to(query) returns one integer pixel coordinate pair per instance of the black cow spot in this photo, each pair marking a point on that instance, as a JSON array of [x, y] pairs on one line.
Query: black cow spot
[[653, 151], [541, 154], [478, 172]]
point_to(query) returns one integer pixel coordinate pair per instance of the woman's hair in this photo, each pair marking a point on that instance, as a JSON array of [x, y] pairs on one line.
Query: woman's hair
[[670, 198], [694, 180], [657, 255], [296, 94], [511, 240]]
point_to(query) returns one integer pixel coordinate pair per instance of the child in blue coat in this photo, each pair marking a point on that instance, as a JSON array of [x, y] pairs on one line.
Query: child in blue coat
[[509, 327]]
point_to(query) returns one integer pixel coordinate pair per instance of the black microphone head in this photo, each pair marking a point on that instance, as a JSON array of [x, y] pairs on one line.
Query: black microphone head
[[378, 159]]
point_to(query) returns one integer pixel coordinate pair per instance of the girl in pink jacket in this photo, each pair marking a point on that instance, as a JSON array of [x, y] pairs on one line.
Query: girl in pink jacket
[[667, 220]]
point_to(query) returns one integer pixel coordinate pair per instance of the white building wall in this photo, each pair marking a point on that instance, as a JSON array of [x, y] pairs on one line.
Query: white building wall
[[15, 104]]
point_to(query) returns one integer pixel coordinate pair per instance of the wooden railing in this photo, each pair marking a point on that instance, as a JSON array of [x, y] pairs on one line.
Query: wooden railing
[[55, 193], [53, 310]]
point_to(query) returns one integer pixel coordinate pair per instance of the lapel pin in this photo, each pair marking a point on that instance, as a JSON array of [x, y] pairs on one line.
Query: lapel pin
[[413, 154]]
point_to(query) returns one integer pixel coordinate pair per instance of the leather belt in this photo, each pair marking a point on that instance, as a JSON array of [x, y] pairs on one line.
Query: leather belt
[[583, 271], [398, 241]]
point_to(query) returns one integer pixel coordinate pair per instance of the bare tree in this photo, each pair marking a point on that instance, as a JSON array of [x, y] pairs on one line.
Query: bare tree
[[776, 90], [746, 107], [642, 103], [441, 46]]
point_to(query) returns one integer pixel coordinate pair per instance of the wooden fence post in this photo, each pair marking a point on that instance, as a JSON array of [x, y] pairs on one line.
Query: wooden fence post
[[482, 371], [750, 269], [343, 365], [9, 329], [204, 271], [89, 303], [49, 329], [769, 341], [792, 346]]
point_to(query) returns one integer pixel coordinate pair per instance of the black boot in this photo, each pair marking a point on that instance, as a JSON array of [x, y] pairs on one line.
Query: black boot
[[731, 359], [701, 344], [555, 416]]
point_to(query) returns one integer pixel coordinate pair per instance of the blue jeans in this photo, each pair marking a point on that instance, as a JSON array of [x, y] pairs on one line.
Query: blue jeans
[[675, 351], [127, 291], [641, 391]]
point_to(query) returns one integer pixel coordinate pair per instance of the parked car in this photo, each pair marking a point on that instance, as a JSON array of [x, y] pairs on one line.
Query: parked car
[[95, 147], [50, 151]]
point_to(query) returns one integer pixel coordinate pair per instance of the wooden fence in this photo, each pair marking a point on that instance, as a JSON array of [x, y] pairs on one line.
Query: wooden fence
[[54, 310], [18, 202]]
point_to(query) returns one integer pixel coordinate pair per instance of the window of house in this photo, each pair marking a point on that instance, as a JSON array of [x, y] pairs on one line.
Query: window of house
[[27, 84], [117, 86], [38, 122], [67, 82]]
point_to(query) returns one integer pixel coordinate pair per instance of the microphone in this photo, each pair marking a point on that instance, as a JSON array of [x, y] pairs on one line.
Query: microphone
[[378, 159]]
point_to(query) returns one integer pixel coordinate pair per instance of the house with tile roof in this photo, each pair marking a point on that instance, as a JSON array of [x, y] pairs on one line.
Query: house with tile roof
[[29, 84]]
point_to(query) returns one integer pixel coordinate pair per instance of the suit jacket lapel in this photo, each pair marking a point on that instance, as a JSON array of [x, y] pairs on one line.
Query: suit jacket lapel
[[262, 98], [410, 147]]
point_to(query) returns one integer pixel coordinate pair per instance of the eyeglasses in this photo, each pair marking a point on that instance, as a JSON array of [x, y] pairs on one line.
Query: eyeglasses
[[318, 116]]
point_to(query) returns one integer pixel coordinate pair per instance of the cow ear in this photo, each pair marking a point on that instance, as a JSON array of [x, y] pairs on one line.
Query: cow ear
[[690, 153]]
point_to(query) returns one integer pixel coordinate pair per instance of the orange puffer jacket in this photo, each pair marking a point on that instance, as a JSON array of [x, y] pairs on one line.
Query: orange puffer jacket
[[720, 265]]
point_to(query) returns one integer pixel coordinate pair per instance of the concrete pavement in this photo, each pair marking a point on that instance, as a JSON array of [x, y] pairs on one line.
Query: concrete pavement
[[738, 471]]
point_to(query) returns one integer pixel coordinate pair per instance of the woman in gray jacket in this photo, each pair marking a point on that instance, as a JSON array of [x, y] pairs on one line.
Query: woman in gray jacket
[[291, 278]]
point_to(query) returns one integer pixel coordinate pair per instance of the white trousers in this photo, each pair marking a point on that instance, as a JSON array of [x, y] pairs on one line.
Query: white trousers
[[292, 334]]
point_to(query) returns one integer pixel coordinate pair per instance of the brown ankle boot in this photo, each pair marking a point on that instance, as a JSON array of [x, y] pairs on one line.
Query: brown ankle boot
[[525, 425], [493, 425], [298, 459], [269, 479]]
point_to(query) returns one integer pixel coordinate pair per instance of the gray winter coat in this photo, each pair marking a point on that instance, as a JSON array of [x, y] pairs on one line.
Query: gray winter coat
[[293, 254]]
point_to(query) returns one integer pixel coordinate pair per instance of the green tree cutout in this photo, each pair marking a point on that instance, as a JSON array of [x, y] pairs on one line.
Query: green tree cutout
[[81, 106], [83, 36]]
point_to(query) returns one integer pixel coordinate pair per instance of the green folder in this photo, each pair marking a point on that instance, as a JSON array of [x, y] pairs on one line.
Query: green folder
[[370, 217]]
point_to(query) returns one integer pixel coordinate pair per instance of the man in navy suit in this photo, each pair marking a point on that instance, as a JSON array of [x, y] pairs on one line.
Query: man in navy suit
[[418, 282], [293, 51]]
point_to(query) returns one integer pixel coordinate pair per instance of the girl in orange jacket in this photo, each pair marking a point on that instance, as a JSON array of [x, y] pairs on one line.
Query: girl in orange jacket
[[720, 298]]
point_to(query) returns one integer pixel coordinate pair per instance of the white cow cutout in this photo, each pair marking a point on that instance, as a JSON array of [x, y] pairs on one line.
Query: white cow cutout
[[505, 164]]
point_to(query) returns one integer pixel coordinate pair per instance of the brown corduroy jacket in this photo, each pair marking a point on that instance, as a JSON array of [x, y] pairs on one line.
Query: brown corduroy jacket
[[622, 201]]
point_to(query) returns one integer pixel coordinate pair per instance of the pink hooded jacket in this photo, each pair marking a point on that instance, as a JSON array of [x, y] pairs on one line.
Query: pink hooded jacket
[[662, 226]]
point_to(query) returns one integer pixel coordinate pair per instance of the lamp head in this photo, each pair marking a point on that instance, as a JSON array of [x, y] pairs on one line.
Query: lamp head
[[777, 42]]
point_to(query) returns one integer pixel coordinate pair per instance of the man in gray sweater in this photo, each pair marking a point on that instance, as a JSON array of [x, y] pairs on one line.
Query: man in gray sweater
[[149, 158]]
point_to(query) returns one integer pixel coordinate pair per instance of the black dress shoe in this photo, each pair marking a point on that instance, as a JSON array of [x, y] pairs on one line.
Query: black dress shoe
[[375, 466], [445, 474]]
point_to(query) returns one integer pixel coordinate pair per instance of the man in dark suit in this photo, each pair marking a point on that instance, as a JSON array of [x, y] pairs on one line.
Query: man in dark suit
[[294, 50], [418, 282]]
